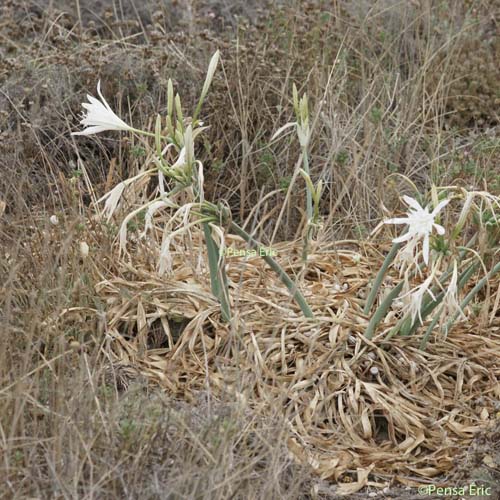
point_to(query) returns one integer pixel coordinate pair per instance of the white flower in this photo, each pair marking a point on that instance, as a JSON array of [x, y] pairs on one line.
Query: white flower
[[100, 116], [420, 224], [54, 220], [112, 198], [302, 123], [406, 256], [303, 132], [165, 263], [152, 209], [415, 297], [210, 74], [450, 304]]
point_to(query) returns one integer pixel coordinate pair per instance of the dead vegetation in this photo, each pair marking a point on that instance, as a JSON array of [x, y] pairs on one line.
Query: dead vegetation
[[271, 406]]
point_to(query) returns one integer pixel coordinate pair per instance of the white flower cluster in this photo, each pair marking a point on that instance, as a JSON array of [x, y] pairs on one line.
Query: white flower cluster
[[421, 222]]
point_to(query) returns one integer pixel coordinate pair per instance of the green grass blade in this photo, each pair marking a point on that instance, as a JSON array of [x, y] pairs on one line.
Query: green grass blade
[[480, 284], [382, 310], [218, 278], [380, 276]]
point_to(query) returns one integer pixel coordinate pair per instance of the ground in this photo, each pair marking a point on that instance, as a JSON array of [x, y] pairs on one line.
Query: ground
[[404, 94]]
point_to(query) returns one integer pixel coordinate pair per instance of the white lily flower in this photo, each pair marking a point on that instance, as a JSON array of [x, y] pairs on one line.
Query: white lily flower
[[450, 304], [200, 179], [189, 145], [152, 209], [112, 198], [420, 224], [165, 261], [210, 74], [303, 132], [161, 183], [407, 256], [100, 116], [415, 297]]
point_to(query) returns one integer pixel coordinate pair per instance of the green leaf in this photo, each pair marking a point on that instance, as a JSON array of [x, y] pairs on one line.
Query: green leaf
[[218, 278]]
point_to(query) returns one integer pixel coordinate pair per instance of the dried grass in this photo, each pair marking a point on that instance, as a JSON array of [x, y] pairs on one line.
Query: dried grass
[[407, 420]]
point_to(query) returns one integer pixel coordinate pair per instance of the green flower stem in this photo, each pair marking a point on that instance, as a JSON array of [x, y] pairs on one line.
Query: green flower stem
[[144, 132], [405, 323], [464, 277], [307, 239], [198, 109], [407, 328], [394, 331], [449, 271], [380, 276], [277, 269], [428, 332], [309, 206], [429, 305]]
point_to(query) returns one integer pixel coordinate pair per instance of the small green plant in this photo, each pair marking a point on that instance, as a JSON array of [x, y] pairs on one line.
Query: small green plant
[[138, 151], [18, 457], [128, 429], [361, 231], [342, 157], [376, 115], [284, 182]]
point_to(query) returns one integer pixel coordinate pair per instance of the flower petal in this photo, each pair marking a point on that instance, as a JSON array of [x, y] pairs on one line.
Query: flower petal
[[440, 229], [405, 237], [412, 202], [426, 249], [397, 220], [94, 102], [282, 129], [91, 130], [102, 97], [440, 206]]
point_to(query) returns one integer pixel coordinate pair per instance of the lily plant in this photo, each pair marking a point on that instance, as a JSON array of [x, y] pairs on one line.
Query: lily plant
[[313, 194], [180, 188], [442, 262], [435, 266]]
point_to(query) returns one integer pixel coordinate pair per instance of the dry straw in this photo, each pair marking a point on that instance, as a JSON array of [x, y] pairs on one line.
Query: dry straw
[[351, 403], [355, 396]]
